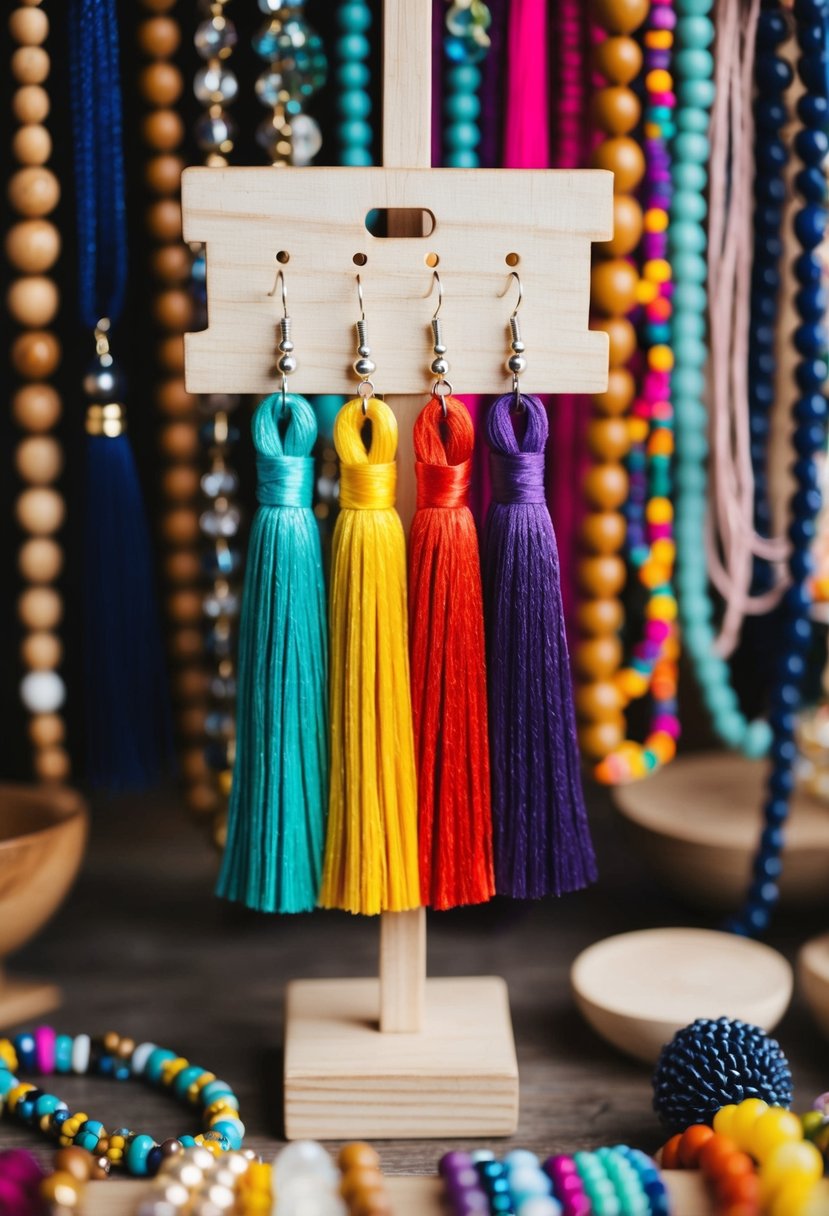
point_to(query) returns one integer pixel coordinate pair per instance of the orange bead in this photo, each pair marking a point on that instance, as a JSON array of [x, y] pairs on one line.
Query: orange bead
[[616, 109], [163, 173], [603, 532], [598, 700], [598, 658], [617, 398], [627, 226], [163, 130], [618, 59], [607, 438], [613, 286], [159, 37], [624, 158], [33, 246], [34, 191], [619, 16], [738, 1188], [606, 486], [161, 84], [714, 1153], [171, 264], [32, 144], [358, 1154], [691, 1144], [597, 617], [35, 354], [599, 739], [622, 337], [669, 1156]]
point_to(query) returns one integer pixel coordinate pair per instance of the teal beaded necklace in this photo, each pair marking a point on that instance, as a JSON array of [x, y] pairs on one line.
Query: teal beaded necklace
[[695, 94], [465, 46], [354, 131]]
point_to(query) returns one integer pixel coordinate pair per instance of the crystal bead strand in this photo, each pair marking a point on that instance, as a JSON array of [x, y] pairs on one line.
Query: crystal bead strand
[[297, 68]]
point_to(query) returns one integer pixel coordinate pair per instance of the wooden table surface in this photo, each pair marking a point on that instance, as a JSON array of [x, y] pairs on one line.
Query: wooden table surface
[[142, 947]]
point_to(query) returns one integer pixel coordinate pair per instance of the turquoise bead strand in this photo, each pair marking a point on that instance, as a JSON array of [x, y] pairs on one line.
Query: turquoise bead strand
[[465, 46], [693, 68], [355, 133]]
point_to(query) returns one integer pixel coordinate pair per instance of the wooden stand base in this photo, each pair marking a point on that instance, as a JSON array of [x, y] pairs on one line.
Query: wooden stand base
[[21, 1000], [697, 824], [813, 977], [346, 1080]]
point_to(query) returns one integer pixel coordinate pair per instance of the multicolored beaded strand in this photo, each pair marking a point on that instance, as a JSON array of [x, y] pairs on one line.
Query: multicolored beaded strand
[[809, 414], [465, 46], [296, 69]]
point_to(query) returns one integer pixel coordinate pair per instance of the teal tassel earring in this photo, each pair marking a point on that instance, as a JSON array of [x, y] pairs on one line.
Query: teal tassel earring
[[279, 797]]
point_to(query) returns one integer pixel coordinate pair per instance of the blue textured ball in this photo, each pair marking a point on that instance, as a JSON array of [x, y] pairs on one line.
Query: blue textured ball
[[712, 1063]]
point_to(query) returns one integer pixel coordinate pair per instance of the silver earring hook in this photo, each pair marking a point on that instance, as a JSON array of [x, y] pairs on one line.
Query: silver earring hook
[[286, 363], [513, 274], [363, 365], [360, 298], [516, 363], [440, 365], [436, 279], [280, 281]]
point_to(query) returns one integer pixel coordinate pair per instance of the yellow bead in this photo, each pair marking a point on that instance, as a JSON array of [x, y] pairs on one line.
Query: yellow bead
[[660, 40], [631, 683], [646, 292], [14, 1095], [657, 270], [661, 358], [659, 81], [818, 1202], [745, 1117], [637, 429], [221, 1105], [661, 608], [777, 1126], [226, 781], [724, 1119], [171, 1068], [664, 551], [789, 1162], [792, 1197], [656, 219], [8, 1055]]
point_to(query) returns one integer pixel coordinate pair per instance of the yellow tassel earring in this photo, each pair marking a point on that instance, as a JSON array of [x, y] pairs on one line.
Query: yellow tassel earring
[[371, 862]]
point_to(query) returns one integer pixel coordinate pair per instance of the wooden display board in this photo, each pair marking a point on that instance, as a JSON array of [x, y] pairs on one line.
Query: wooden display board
[[404, 1057]]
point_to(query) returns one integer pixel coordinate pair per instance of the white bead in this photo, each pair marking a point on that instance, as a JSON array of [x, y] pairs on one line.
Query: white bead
[[528, 1181], [303, 1159], [80, 1053], [140, 1056], [42, 692], [521, 1157], [539, 1205]]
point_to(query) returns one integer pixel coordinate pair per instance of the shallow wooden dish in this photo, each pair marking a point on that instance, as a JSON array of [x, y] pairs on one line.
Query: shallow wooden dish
[[42, 837], [697, 824], [637, 989], [813, 978]]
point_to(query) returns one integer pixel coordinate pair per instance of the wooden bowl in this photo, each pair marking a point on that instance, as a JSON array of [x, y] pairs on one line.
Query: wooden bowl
[[813, 978], [42, 837], [697, 824]]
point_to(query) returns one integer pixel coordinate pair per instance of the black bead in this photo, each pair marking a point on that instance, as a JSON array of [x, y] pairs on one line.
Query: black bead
[[812, 71], [772, 29], [812, 109]]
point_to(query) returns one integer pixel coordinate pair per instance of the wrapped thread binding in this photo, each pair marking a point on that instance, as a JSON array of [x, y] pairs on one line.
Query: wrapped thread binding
[[278, 802], [541, 835]]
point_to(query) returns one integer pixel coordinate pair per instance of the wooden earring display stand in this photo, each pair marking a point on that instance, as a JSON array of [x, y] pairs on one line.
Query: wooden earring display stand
[[401, 1057]]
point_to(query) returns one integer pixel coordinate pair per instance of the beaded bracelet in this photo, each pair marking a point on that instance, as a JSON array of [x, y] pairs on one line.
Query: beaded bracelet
[[45, 1053], [530, 1187], [568, 1186], [651, 1178], [464, 1193]]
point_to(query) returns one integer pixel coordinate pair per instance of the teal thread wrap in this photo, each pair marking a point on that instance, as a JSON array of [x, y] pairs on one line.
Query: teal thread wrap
[[279, 797]]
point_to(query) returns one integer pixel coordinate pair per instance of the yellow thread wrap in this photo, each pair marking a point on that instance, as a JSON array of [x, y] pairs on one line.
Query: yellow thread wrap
[[371, 861]]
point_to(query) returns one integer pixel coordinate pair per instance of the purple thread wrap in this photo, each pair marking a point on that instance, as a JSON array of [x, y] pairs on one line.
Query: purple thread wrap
[[541, 834]]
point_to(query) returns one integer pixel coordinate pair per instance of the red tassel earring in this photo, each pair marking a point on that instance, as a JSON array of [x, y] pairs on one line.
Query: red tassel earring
[[447, 648]]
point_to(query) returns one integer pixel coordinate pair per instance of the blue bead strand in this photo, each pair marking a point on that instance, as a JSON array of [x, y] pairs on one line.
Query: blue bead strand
[[809, 414], [693, 72], [355, 132], [465, 47]]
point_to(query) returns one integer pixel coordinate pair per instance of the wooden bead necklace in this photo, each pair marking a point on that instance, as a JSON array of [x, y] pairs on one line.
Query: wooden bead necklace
[[32, 248], [601, 574]]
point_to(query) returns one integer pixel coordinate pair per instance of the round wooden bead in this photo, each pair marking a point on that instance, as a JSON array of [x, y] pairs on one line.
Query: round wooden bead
[[39, 459], [52, 764], [159, 6], [202, 799], [164, 220], [171, 353], [32, 144], [46, 730], [598, 658], [75, 1161], [180, 441], [185, 607], [41, 511], [41, 651], [159, 37], [602, 575], [189, 684], [163, 130], [194, 766], [181, 526], [620, 391], [40, 560], [608, 438], [30, 104], [603, 531], [598, 701], [597, 617], [621, 335], [36, 407], [173, 399], [33, 245], [30, 65], [606, 486], [192, 721], [613, 286], [187, 645], [599, 739], [180, 483], [163, 173], [624, 158], [33, 300], [173, 310], [171, 264], [35, 354], [627, 226], [620, 16], [40, 608], [183, 566], [616, 109], [161, 84], [358, 1154], [29, 26], [618, 59], [34, 191]]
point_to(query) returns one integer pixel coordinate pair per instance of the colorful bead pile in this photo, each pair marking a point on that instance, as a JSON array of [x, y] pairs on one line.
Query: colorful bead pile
[[649, 511], [466, 45], [45, 1053]]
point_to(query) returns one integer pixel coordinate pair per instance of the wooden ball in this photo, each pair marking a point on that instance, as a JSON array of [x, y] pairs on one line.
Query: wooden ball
[[616, 109], [180, 441], [192, 720], [40, 608], [159, 37], [33, 191], [159, 6], [171, 354], [599, 739], [41, 652], [183, 566], [30, 65], [598, 700], [173, 310], [32, 145], [597, 617], [627, 226], [164, 220], [29, 26], [181, 526], [606, 486], [185, 607], [202, 799], [163, 130], [602, 575], [33, 246], [619, 394], [358, 1155], [603, 532], [163, 173], [613, 286], [36, 407], [40, 560], [39, 459], [190, 684], [618, 59], [30, 104], [181, 482], [187, 645], [41, 511], [619, 16], [36, 354], [33, 301], [608, 438], [74, 1161], [52, 764], [173, 399], [171, 264], [46, 730], [194, 766], [621, 333], [625, 160], [161, 84], [598, 658]]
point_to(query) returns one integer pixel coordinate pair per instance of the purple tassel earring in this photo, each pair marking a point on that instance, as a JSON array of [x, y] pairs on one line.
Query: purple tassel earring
[[542, 840]]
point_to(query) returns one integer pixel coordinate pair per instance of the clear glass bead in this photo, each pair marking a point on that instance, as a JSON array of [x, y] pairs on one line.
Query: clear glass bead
[[215, 133], [223, 689], [306, 139], [269, 86], [220, 603], [215, 38], [302, 59], [224, 560], [269, 135], [219, 482], [265, 40], [215, 522], [215, 84], [219, 725], [470, 48]]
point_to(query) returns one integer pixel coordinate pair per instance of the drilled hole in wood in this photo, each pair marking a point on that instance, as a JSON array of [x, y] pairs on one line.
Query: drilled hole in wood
[[283, 256], [431, 259], [512, 259], [359, 259]]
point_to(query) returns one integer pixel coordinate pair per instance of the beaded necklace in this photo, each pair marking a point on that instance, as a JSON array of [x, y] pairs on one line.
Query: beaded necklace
[[466, 45], [355, 134], [32, 248], [809, 414], [296, 69]]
